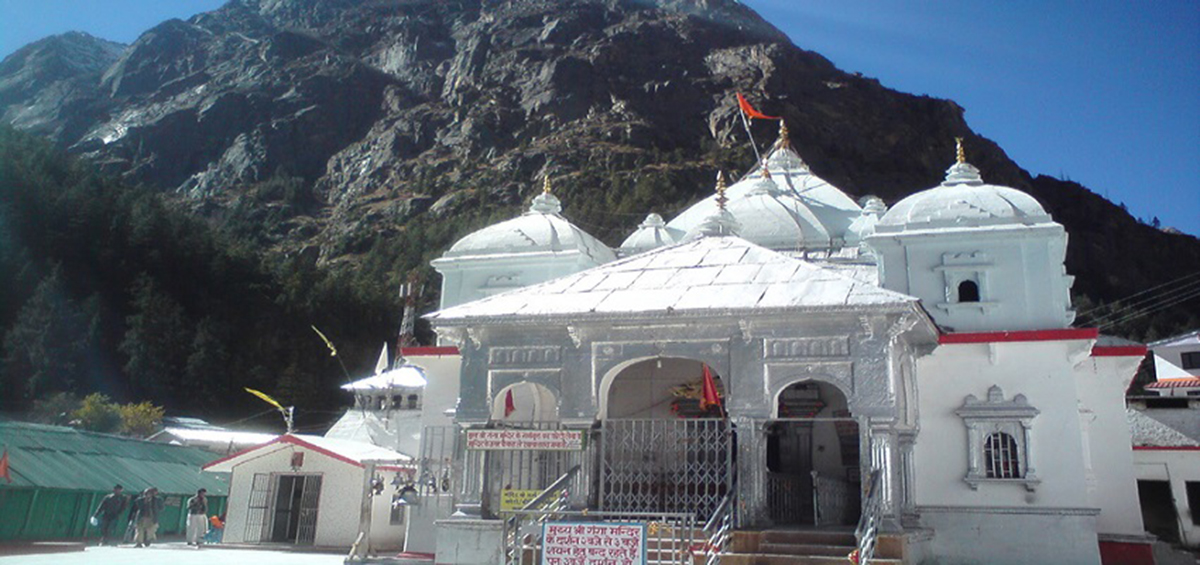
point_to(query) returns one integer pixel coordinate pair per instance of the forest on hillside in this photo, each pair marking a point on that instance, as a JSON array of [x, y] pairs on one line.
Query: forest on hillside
[[108, 289]]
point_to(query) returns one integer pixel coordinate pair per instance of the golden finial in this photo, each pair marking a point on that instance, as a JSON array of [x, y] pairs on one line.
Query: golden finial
[[546, 184], [961, 154], [766, 174], [783, 133], [721, 186]]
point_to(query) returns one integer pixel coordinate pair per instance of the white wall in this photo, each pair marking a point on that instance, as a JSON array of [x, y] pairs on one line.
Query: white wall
[[1020, 274], [338, 506], [1168, 362], [1111, 483], [1177, 466], [465, 279], [441, 388], [1042, 372]]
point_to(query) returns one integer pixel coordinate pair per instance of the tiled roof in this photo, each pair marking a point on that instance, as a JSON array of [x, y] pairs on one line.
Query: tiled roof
[[1175, 383], [710, 275]]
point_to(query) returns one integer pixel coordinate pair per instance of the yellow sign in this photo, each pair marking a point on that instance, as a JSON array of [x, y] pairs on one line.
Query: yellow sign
[[513, 499]]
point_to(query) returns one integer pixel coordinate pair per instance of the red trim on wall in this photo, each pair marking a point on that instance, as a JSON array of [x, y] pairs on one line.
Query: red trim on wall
[[1120, 351], [1125, 553], [1166, 448], [241, 453], [297, 441], [1029, 335], [448, 350]]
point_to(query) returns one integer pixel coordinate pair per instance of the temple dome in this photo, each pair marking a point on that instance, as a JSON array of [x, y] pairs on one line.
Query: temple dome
[[785, 207], [651, 233], [541, 229], [963, 200]]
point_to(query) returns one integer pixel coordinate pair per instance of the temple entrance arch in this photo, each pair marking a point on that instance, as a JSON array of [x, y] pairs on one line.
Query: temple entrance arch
[[515, 474], [661, 450], [524, 402], [812, 457]]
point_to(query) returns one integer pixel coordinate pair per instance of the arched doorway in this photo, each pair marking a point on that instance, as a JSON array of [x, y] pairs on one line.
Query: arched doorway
[[663, 448], [812, 459], [513, 476], [524, 403]]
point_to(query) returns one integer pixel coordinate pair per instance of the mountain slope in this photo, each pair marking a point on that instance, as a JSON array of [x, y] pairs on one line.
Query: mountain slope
[[406, 123]]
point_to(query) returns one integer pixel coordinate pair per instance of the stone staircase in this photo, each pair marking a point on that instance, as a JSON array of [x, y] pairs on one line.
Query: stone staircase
[[799, 547]]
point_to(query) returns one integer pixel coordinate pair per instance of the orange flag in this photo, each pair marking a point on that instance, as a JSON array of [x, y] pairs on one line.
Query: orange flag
[[509, 405], [750, 111], [4, 467], [710, 396]]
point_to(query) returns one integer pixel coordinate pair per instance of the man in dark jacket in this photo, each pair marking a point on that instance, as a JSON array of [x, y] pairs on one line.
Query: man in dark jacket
[[107, 513], [146, 527]]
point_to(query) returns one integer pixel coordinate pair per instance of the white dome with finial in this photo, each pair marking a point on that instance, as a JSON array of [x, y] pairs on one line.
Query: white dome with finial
[[541, 228], [782, 205], [962, 200], [651, 233]]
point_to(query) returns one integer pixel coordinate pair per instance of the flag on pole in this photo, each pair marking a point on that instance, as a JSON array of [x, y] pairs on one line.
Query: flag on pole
[[4, 467], [749, 110], [267, 399], [710, 396], [382, 364], [329, 344], [509, 405]]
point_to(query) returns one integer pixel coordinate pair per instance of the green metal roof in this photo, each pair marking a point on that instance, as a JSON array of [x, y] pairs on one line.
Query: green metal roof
[[65, 458]]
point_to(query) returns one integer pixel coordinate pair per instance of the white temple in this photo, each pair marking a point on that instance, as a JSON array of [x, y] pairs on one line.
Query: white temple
[[929, 345]]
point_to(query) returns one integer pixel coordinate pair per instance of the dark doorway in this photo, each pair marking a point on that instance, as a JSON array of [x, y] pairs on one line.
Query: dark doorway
[[295, 510], [1158, 510]]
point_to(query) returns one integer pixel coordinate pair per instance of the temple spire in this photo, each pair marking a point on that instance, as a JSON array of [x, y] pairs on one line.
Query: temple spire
[[722, 185], [546, 184], [960, 154]]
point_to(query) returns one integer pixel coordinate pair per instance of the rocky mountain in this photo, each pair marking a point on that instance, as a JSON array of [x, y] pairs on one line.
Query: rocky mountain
[[399, 124]]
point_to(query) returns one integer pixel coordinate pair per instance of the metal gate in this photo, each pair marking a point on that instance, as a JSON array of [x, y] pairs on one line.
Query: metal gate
[[666, 465], [525, 469], [259, 509], [306, 533]]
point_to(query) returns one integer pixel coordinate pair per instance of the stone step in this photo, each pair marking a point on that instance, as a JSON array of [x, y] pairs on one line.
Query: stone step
[[804, 549], [766, 559], [809, 537]]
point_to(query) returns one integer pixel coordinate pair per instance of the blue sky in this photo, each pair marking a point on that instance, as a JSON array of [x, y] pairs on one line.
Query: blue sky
[[1103, 92]]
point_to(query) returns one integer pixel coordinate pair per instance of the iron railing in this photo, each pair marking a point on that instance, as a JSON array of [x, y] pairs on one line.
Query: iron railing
[[867, 532], [719, 528], [831, 500], [787, 500], [523, 526]]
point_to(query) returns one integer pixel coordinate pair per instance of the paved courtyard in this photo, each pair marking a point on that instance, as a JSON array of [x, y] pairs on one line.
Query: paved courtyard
[[173, 553]]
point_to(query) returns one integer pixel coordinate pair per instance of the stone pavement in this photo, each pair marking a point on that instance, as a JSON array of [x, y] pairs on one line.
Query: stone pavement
[[174, 553]]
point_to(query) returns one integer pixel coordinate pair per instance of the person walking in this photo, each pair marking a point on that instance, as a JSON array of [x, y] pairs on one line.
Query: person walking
[[146, 527], [107, 513], [197, 520]]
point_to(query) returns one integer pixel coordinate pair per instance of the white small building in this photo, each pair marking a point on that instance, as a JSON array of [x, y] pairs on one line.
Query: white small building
[[1167, 461], [387, 410], [1176, 365], [308, 490]]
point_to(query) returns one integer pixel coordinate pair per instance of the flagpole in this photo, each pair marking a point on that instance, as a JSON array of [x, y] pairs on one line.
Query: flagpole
[[753, 145]]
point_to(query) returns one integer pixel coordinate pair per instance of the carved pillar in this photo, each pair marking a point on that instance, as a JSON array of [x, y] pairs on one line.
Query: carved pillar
[[752, 471], [908, 478], [885, 456]]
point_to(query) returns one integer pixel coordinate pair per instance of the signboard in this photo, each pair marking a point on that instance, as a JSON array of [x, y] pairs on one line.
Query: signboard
[[515, 499], [525, 440], [587, 543]]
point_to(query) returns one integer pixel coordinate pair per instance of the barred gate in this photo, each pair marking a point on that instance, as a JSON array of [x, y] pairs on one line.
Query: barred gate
[[529, 469], [259, 508], [310, 493], [666, 465]]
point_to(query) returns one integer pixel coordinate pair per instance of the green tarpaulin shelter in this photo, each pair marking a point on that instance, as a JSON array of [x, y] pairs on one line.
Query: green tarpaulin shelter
[[60, 474]]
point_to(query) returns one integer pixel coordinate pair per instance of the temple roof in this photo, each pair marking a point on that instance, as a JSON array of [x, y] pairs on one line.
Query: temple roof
[[962, 200], [706, 276], [541, 228]]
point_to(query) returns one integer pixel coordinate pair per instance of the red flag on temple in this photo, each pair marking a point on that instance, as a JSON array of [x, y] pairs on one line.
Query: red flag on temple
[[4, 467], [710, 396], [509, 405], [750, 111]]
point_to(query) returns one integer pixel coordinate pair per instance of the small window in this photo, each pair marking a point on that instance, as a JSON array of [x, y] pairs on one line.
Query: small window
[[1000, 455], [968, 291], [412, 401], [1191, 360]]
